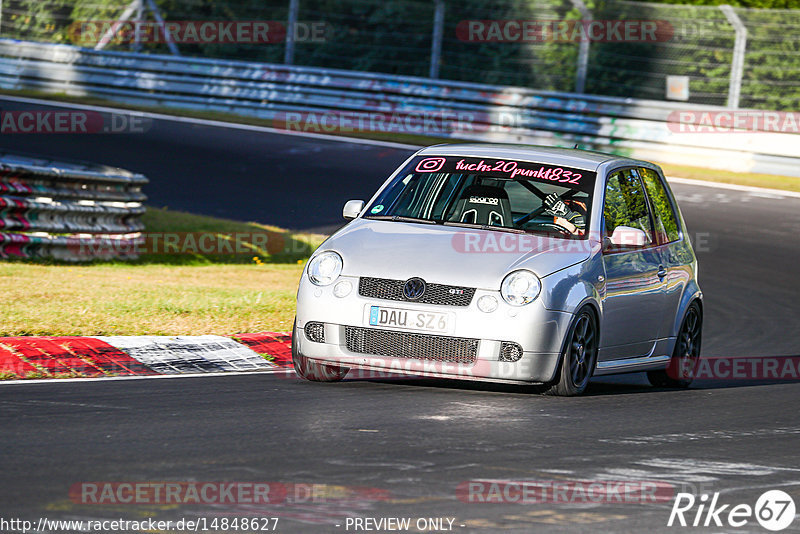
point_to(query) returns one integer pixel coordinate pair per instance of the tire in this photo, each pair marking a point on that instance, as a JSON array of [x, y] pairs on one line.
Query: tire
[[314, 371], [578, 357], [683, 364]]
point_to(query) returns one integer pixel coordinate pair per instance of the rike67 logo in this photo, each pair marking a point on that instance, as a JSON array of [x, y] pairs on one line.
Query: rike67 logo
[[774, 510]]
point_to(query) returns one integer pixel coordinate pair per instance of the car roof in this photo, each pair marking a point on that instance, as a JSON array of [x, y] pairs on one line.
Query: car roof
[[569, 157]]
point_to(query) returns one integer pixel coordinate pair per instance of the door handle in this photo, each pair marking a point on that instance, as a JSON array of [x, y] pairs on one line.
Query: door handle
[[662, 272]]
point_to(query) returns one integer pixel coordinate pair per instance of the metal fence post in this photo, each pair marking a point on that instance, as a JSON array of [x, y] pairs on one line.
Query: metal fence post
[[137, 36], [583, 50], [173, 48], [739, 48], [436, 39], [109, 34], [291, 23]]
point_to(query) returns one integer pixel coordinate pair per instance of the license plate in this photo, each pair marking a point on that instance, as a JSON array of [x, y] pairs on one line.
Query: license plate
[[409, 319]]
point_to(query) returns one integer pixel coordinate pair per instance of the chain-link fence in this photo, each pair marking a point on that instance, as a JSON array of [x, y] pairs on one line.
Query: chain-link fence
[[704, 54]]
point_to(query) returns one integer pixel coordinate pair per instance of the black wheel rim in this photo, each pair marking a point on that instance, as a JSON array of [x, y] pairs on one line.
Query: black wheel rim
[[689, 344], [582, 349]]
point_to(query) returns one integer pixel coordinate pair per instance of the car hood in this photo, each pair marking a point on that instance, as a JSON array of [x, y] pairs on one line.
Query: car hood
[[448, 254]]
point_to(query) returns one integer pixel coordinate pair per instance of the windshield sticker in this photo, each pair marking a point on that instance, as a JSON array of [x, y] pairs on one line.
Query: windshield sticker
[[377, 209], [511, 170], [430, 165]]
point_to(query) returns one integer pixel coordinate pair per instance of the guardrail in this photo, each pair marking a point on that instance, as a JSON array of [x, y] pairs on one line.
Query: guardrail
[[289, 95], [68, 211]]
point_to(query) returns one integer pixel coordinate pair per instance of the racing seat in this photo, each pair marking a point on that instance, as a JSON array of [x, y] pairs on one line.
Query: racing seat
[[483, 204]]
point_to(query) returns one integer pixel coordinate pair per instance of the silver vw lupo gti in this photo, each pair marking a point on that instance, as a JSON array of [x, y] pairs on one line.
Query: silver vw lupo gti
[[506, 263]]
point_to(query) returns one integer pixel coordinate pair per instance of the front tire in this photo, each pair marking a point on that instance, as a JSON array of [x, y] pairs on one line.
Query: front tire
[[683, 364], [311, 370], [578, 357]]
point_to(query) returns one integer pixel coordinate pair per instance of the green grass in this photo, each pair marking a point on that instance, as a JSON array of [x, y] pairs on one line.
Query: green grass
[[282, 246], [160, 294], [150, 299], [788, 183]]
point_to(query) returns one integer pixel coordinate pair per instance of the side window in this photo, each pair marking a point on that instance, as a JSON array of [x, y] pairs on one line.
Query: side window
[[667, 227], [626, 204]]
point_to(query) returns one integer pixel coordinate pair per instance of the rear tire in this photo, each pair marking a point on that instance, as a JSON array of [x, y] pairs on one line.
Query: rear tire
[[579, 356], [312, 370], [683, 364]]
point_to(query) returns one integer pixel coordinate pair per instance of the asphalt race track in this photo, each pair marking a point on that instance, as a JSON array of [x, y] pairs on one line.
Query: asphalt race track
[[401, 448]]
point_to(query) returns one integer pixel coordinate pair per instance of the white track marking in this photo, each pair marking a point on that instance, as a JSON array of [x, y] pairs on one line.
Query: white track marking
[[182, 354], [689, 466], [22, 382], [660, 439]]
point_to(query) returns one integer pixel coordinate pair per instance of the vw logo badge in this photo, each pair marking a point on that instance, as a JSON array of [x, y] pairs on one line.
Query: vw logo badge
[[414, 288]]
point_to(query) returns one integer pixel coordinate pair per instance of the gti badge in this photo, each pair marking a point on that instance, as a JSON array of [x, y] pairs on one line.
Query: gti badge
[[414, 288]]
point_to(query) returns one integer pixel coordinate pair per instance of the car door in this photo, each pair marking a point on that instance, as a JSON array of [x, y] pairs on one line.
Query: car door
[[676, 254], [633, 298]]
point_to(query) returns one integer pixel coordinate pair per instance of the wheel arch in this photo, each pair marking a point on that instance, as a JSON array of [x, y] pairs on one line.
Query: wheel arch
[[587, 303], [689, 298]]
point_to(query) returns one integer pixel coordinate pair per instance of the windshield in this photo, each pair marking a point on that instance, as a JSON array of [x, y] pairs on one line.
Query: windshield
[[503, 195]]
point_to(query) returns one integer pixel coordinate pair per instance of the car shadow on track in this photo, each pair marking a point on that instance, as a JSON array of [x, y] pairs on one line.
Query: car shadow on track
[[623, 384]]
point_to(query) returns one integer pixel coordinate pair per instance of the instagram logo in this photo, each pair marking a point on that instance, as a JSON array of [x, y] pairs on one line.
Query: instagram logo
[[430, 165]]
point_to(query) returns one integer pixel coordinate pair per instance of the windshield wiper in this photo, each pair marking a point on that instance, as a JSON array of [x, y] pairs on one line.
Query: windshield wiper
[[402, 218], [485, 227]]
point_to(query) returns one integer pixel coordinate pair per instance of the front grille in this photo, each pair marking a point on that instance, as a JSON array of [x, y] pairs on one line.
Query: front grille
[[406, 345], [510, 351], [384, 288], [315, 332]]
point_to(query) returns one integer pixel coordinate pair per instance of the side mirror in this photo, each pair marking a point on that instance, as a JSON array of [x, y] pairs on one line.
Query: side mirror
[[625, 236], [352, 208]]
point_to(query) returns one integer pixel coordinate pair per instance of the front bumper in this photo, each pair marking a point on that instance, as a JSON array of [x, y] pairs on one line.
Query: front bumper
[[539, 331]]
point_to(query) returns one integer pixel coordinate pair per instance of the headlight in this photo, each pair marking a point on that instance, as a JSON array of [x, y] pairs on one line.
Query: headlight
[[325, 268], [520, 288]]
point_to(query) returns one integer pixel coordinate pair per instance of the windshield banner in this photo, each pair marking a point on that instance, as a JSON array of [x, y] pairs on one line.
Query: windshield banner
[[579, 179]]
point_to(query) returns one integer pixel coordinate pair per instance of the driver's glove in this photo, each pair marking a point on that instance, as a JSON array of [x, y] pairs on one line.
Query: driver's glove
[[557, 207]]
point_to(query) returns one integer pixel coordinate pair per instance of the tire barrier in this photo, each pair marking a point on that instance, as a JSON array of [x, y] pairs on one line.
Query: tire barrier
[[68, 211]]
